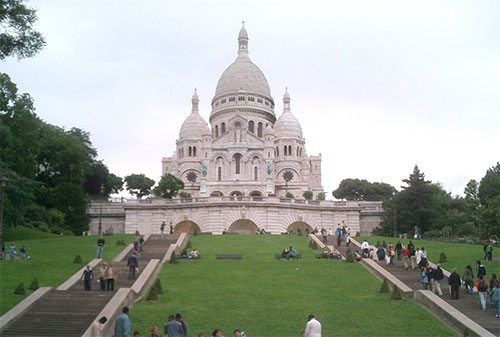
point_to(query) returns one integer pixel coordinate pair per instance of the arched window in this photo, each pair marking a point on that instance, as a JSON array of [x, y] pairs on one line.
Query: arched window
[[285, 150], [256, 173], [297, 151], [259, 129], [219, 173], [251, 126], [194, 151], [289, 150], [190, 151], [223, 128], [237, 163], [237, 132], [277, 151], [216, 131]]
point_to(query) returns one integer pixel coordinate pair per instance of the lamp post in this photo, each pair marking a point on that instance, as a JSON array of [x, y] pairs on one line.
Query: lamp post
[[101, 189], [3, 185], [394, 221]]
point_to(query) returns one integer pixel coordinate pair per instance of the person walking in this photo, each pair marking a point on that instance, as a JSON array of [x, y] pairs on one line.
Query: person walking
[[454, 283], [481, 269], [438, 278], [399, 247], [141, 243], [482, 289], [489, 251], [100, 247], [391, 253], [132, 263], [102, 276], [87, 277], [122, 324], [493, 282], [323, 234], [313, 327], [495, 295], [424, 278], [136, 241], [178, 318], [173, 328], [110, 275], [468, 280], [411, 249], [162, 228], [22, 250], [12, 251], [430, 277], [405, 252]]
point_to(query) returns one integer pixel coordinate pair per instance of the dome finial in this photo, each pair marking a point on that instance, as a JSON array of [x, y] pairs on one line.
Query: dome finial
[[243, 40], [286, 101], [195, 100]]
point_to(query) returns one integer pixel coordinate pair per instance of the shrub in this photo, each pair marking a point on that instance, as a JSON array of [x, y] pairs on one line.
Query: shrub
[[77, 260], [308, 195], [20, 290], [466, 332], [299, 232], [432, 235], [189, 244], [56, 229], [378, 244], [152, 295], [314, 245], [34, 284], [396, 294], [184, 195], [466, 229], [157, 286], [310, 243], [384, 244], [289, 195], [349, 257], [442, 258], [358, 234], [385, 286], [321, 196], [173, 259]]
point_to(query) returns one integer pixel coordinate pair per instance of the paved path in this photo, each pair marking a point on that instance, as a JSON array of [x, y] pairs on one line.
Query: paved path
[[69, 313], [469, 305]]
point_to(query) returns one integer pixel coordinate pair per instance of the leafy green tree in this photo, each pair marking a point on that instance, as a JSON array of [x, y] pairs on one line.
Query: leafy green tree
[[489, 187], [139, 185], [489, 198], [168, 186], [308, 195], [100, 175], [289, 195], [18, 36], [321, 196], [356, 189]]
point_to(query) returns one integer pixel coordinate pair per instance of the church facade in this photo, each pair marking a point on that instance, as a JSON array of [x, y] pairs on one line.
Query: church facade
[[246, 150]]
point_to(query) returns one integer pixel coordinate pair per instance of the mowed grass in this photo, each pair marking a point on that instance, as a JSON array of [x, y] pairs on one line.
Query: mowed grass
[[459, 255], [266, 297], [51, 263]]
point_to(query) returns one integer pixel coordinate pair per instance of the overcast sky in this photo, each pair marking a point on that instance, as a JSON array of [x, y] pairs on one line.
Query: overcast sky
[[378, 86]]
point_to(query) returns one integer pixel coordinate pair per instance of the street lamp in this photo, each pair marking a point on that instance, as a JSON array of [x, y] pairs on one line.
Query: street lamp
[[101, 189], [3, 185], [394, 222]]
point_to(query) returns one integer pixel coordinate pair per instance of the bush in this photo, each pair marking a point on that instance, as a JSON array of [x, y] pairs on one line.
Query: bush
[[157, 286], [20, 290], [385, 286], [378, 244], [34, 284], [152, 295], [308, 195], [358, 234], [432, 235], [396, 294], [442, 258], [189, 244], [289, 195], [321, 196], [173, 259], [466, 229], [56, 229], [184, 195], [77, 260], [349, 257], [384, 244], [466, 332]]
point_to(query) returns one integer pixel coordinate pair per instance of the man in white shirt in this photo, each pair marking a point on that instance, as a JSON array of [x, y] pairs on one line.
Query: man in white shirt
[[365, 246], [313, 327]]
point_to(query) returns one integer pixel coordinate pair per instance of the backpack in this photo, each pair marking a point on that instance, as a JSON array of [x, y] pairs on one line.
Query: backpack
[[482, 285]]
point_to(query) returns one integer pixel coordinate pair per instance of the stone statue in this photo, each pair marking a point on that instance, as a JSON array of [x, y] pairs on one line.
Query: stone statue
[[203, 169], [269, 168]]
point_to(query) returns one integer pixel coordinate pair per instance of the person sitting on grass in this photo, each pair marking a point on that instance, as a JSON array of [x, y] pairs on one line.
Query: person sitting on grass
[[155, 332], [326, 253], [284, 253], [357, 256], [194, 254], [184, 253], [217, 333], [239, 333], [292, 253]]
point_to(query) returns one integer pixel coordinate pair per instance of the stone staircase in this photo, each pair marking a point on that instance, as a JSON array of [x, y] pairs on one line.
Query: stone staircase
[[69, 313], [469, 305]]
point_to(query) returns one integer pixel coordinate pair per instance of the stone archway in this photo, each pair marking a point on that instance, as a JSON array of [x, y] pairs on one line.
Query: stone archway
[[243, 226], [255, 194], [295, 226], [186, 226]]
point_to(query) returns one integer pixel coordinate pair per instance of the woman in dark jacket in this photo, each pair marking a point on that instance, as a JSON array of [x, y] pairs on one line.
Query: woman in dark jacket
[[468, 279]]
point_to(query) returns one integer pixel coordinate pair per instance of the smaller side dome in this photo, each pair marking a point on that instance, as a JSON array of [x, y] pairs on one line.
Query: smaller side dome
[[268, 130], [194, 127], [287, 125]]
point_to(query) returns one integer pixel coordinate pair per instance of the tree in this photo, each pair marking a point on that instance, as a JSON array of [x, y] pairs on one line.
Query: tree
[[489, 187], [100, 176], [18, 36], [308, 195], [139, 185], [321, 196], [168, 186], [489, 198], [356, 189]]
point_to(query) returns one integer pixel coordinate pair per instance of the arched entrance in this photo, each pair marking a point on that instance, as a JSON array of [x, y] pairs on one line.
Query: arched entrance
[[295, 226], [216, 194], [256, 194], [186, 226], [243, 226], [236, 194]]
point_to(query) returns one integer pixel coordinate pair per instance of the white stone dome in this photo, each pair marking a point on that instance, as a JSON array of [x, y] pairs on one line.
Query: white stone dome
[[287, 126], [194, 127], [242, 75]]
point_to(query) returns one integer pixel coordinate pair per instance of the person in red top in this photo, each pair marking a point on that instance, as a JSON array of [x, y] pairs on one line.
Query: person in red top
[[482, 289], [405, 252]]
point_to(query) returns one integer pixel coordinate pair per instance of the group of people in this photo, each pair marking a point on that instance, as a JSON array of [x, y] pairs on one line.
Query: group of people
[[107, 277], [13, 251], [193, 254], [481, 285], [289, 252]]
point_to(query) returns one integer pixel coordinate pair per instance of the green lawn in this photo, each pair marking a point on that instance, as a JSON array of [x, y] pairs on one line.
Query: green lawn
[[51, 262], [265, 297], [459, 255]]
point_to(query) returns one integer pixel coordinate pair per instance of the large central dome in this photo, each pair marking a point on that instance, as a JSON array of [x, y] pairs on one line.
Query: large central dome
[[242, 75]]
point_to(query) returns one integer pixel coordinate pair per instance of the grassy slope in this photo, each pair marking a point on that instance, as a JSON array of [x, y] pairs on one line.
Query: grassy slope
[[459, 255], [51, 263], [265, 297], [24, 233]]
